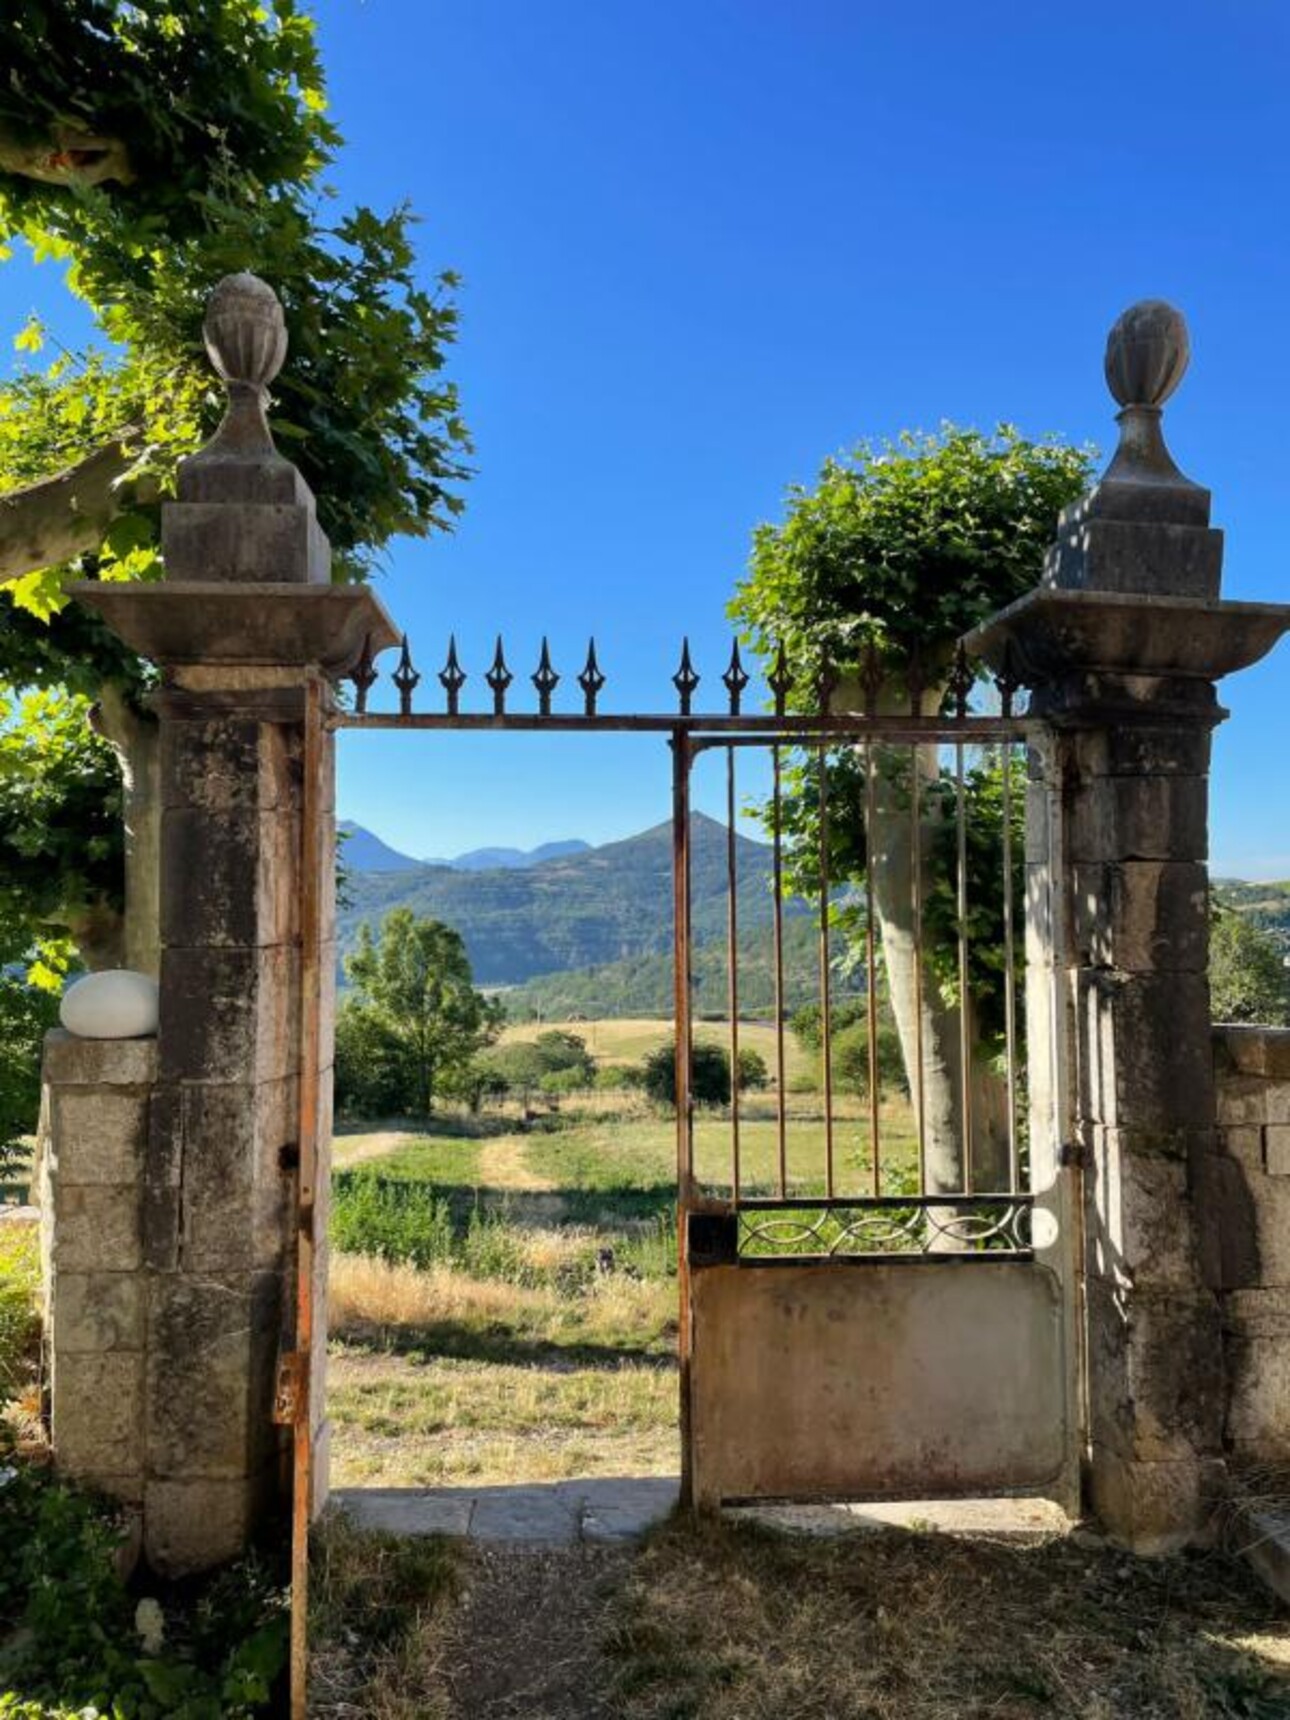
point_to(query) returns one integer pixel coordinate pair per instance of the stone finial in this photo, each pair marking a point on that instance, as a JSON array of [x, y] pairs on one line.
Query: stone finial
[[1147, 353], [246, 337]]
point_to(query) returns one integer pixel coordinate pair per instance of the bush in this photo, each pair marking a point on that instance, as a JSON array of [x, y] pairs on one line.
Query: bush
[[19, 1319], [561, 1082], [709, 1073], [395, 1219], [851, 1058], [371, 1070]]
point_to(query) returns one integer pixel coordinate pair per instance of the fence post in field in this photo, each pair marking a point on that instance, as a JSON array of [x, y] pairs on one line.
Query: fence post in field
[[1122, 645]]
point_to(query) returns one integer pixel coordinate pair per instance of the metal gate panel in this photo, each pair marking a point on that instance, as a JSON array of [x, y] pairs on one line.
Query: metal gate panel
[[914, 1379]]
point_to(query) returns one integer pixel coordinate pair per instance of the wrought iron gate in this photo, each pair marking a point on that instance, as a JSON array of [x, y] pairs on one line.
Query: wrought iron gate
[[864, 1311]]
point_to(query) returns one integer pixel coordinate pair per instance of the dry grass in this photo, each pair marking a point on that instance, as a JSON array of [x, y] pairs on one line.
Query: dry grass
[[437, 1421], [714, 1622], [741, 1624], [397, 1306], [631, 1039]]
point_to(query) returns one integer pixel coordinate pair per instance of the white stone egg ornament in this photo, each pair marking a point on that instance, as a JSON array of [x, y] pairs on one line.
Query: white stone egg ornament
[[115, 1004]]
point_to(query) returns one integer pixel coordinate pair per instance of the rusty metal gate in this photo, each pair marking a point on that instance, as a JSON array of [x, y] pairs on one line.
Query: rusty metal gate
[[877, 1292]]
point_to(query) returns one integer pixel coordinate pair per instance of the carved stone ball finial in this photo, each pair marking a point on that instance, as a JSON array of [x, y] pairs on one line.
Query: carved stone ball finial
[[246, 338], [1147, 353]]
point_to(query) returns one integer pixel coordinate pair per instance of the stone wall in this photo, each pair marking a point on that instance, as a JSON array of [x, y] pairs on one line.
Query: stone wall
[[93, 1173], [1252, 1213]]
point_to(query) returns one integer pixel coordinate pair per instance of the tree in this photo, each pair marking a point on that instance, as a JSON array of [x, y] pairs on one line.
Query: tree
[[155, 149], [898, 551], [1248, 978], [709, 1073], [415, 1003]]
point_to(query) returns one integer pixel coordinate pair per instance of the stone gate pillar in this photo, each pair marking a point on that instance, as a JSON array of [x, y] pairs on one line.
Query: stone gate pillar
[[1122, 645], [247, 631]]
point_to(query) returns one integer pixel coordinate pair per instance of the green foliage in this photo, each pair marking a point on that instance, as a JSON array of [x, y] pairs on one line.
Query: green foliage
[[709, 1073], [1248, 979], [68, 1622], [26, 1015], [415, 1022], [807, 1022], [905, 544], [19, 1309], [410, 1222], [60, 815], [851, 1058]]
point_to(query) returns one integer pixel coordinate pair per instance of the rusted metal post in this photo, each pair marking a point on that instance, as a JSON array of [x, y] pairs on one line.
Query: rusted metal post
[[684, 1102]]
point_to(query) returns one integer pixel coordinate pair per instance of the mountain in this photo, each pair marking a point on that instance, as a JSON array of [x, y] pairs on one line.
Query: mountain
[[512, 859], [579, 910], [363, 852]]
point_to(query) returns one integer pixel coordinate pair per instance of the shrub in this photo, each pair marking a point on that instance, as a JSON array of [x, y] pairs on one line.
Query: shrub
[[26, 1013], [560, 1082], [806, 1022], [19, 1320], [851, 1058], [392, 1218], [709, 1073]]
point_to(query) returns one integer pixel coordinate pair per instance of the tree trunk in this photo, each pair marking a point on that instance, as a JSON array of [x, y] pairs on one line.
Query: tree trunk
[[136, 741], [68, 155], [59, 518], [925, 1020]]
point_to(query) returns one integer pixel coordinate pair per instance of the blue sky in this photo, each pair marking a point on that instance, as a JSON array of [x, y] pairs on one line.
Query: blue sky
[[706, 244]]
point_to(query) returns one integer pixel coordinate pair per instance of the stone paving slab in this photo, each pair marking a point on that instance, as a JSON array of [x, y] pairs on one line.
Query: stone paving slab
[[623, 1508]]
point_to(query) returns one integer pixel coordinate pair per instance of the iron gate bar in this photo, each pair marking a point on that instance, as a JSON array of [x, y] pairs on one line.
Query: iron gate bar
[[871, 971], [732, 939], [965, 1034], [777, 913], [723, 730], [826, 1013], [916, 880], [684, 1047], [1009, 973]]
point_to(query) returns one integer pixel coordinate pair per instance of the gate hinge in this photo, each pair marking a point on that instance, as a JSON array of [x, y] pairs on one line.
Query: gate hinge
[[288, 1393], [1073, 1155]]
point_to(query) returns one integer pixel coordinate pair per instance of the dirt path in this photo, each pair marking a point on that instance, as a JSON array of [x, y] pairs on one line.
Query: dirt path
[[503, 1164], [526, 1641]]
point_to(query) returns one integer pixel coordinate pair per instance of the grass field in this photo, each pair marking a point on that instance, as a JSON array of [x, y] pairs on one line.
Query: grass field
[[504, 1303], [630, 1040]]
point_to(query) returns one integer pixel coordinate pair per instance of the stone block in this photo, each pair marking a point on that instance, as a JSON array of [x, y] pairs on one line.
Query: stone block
[[212, 765], [97, 1229], [260, 543], [1145, 1058], [1140, 1223], [1242, 1142], [1138, 818], [1256, 1331], [1228, 1207], [98, 1311], [1271, 1203], [1155, 1508], [208, 1023], [212, 1354], [98, 1136], [1155, 1364], [1241, 1102], [1277, 1149], [72, 1062], [192, 1525], [218, 1198], [277, 1048], [1253, 1050], [210, 878], [1153, 558], [97, 1413], [1142, 915], [1140, 749]]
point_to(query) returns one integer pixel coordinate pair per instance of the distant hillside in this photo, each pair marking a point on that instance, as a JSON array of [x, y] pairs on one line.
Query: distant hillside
[[512, 859], [586, 909], [642, 985], [360, 851], [1267, 905]]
